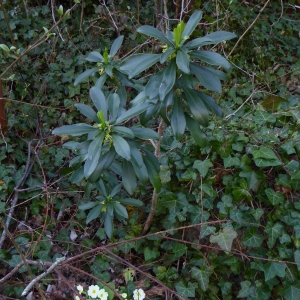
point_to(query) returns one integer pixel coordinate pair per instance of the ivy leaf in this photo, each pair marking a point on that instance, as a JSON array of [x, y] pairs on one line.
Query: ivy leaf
[[274, 197], [274, 231], [174, 202], [178, 250], [231, 162], [252, 239], [202, 276], [272, 102], [202, 166], [254, 178], [150, 254], [291, 292], [164, 174], [271, 269], [224, 238], [265, 157], [184, 291], [246, 289]]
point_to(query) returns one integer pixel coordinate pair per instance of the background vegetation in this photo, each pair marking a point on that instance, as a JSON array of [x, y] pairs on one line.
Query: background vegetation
[[227, 221]]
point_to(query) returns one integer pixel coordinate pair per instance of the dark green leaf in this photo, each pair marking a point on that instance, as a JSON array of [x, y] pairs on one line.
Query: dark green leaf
[[178, 121], [275, 198], [113, 103], [137, 63], [252, 239], [94, 213], [206, 78], [197, 107], [272, 269], [116, 46], [94, 57], [197, 134], [128, 177], [120, 210], [85, 75], [202, 275], [168, 80], [185, 291], [87, 205], [211, 39], [145, 133], [165, 55], [121, 146], [108, 225], [272, 102], [183, 61], [87, 111], [224, 238], [153, 32], [211, 58], [202, 166], [292, 291], [192, 23], [123, 131], [74, 130], [134, 111], [99, 101]]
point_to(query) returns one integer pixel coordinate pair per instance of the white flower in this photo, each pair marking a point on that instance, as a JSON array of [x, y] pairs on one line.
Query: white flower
[[124, 295], [79, 289], [102, 294], [77, 298], [93, 291], [139, 294]]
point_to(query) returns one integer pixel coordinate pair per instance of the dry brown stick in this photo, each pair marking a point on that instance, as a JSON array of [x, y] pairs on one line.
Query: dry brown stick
[[154, 195], [242, 36], [144, 273]]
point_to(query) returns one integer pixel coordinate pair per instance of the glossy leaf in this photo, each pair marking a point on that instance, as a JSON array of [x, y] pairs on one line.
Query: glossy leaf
[[77, 176], [178, 121], [85, 75], [165, 55], [206, 78], [120, 210], [132, 112], [91, 164], [108, 225], [145, 133], [183, 61], [113, 103], [128, 177], [210, 104], [153, 173], [197, 134], [96, 145], [197, 107], [168, 80], [211, 39], [74, 130], [211, 58], [124, 131], [94, 213], [137, 63], [116, 46], [272, 102], [87, 205], [272, 269], [153, 32], [192, 23], [87, 111], [252, 239], [100, 81], [99, 101], [121, 146], [95, 57]]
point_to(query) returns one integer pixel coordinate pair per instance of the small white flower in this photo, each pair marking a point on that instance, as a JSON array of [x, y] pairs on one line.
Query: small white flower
[[93, 291], [124, 295], [79, 289], [77, 298], [139, 294], [102, 294]]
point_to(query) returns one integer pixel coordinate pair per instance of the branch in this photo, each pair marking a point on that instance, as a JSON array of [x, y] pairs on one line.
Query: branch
[[35, 280]]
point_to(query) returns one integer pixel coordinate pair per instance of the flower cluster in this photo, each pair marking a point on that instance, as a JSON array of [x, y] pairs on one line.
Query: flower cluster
[[94, 292]]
